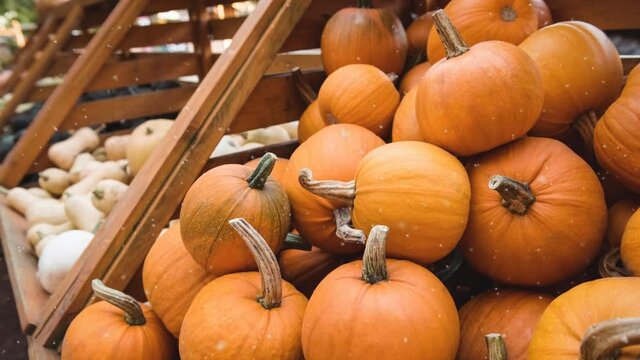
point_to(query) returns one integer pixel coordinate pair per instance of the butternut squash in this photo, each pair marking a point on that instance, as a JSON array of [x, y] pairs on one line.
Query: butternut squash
[[89, 169], [100, 154], [81, 212], [79, 163], [107, 170], [38, 232], [48, 211], [116, 147], [144, 139], [64, 152], [54, 180], [250, 145], [42, 244], [38, 192], [268, 136], [107, 193], [292, 129], [21, 199]]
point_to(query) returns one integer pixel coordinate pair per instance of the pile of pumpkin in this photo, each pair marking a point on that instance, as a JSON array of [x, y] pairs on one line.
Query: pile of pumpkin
[[525, 209]]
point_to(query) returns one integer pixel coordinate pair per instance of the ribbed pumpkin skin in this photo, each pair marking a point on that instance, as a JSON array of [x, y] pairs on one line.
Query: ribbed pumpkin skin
[[171, 278], [488, 71], [100, 332], [481, 20], [418, 32], [559, 332], [278, 170], [630, 245], [543, 12], [225, 321], [332, 154], [364, 36], [512, 313], [616, 139], [405, 122], [413, 77], [219, 195], [581, 71], [305, 269], [420, 192], [562, 231], [310, 122], [619, 214], [410, 316]]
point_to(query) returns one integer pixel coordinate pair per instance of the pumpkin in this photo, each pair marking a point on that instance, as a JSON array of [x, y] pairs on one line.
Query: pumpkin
[[222, 193], [117, 328], [543, 12], [418, 32], [171, 278], [389, 309], [332, 153], [484, 20], [405, 122], [578, 323], [542, 217], [581, 72], [630, 244], [278, 169], [363, 35], [413, 77], [616, 140], [144, 139], [359, 94], [310, 122], [512, 313], [618, 216], [417, 189], [476, 77], [227, 320], [305, 269]]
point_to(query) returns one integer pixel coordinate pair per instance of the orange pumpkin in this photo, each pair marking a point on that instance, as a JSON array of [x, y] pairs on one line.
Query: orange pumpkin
[[566, 325], [419, 190], [462, 89], [310, 123], [483, 20], [362, 35], [616, 140], [305, 269], [228, 321], [413, 77], [117, 328], [512, 313], [405, 122], [418, 32], [543, 12], [332, 153], [619, 214], [388, 309], [171, 278], [361, 95], [581, 72], [630, 244], [229, 191], [541, 219], [278, 169]]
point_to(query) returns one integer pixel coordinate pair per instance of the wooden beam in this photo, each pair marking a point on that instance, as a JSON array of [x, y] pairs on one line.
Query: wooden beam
[[201, 41], [607, 15], [141, 36]]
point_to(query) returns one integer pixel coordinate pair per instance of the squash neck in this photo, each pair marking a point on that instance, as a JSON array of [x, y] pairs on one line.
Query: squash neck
[[604, 340], [259, 176], [134, 316], [374, 261], [496, 347], [516, 196], [453, 43], [508, 14]]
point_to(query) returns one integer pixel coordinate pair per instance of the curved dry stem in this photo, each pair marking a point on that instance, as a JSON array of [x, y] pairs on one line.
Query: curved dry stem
[[374, 260], [330, 189], [271, 296], [303, 87], [610, 265], [516, 196], [585, 125], [604, 340], [344, 231], [496, 347], [393, 77], [451, 39], [131, 307], [259, 176]]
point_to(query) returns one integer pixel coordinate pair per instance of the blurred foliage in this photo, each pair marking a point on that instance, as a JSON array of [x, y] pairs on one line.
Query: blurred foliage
[[21, 10]]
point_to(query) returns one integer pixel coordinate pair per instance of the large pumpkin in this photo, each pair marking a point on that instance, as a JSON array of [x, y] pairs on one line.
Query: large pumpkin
[[362, 35], [359, 94], [332, 153], [390, 309], [483, 20], [456, 104], [512, 313], [616, 140], [566, 324], [413, 77], [225, 192], [581, 72], [278, 171], [144, 139], [171, 278], [305, 269], [117, 328], [405, 122], [250, 315], [619, 214], [417, 189], [538, 214], [630, 245]]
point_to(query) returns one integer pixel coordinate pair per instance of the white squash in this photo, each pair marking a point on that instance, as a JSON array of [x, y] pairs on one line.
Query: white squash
[[89, 169], [38, 232], [228, 144], [21, 199], [107, 193], [64, 152], [81, 212], [48, 211], [250, 145], [292, 129], [144, 139], [116, 147], [42, 244], [54, 180], [79, 163], [107, 170], [41, 193], [268, 136], [59, 255]]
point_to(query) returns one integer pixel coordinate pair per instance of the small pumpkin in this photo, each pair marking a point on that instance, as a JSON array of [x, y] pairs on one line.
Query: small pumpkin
[[305, 269], [413, 77], [144, 139], [512, 313], [405, 122], [311, 122], [359, 94], [618, 216], [390, 309], [278, 169], [581, 72], [227, 320], [418, 33], [478, 21], [364, 35], [630, 244], [171, 278], [224, 192], [419, 190], [118, 328], [538, 214], [543, 12], [476, 77]]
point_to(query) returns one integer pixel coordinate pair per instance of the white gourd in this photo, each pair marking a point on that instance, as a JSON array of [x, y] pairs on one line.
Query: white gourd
[[54, 180], [59, 255], [79, 164], [48, 211], [81, 212], [38, 232], [268, 136], [107, 170], [42, 244], [64, 152], [21, 199], [292, 129], [107, 193]]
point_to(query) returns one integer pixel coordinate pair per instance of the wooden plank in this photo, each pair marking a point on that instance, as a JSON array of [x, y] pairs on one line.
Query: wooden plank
[[282, 150], [64, 98], [141, 36], [607, 15], [629, 62], [22, 266], [201, 41], [37, 352], [287, 61], [225, 28], [153, 195]]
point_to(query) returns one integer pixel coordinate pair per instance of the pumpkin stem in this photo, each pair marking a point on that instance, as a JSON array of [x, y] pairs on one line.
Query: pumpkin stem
[[603, 341], [364, 4], [148, 130], [259, 176], [516, 196], [393, 77], [449, 35], [131, 307], [495, 346], [610, 265], [331, 189], [271, 296], [295, 241], [374, 260], [99, 194], [303, 87], [508, 14], [344, 231], [585, 125]]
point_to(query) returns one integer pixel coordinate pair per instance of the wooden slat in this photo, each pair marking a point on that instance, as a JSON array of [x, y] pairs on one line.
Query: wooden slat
[[629, 62], [282, 150], [201, 40], [607, 15], [37, 352], [225, 28], [287, 61], [141, 36]]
